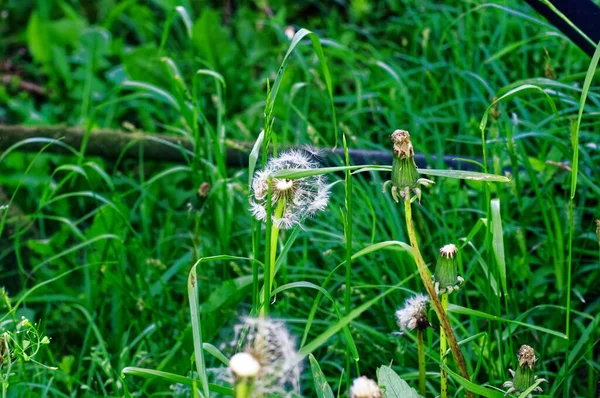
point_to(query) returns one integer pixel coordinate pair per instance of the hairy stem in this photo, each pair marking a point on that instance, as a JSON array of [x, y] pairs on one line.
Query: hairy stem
[[421, 352], [435, 300], [443, 349]]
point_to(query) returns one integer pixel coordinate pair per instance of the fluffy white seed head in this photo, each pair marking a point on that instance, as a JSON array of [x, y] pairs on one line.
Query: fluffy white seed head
[[269, 344], [244, 365], [414, 313], [304, 197], [363, 387]]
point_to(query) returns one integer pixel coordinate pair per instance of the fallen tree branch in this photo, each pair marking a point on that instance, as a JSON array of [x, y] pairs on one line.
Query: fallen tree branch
[[112, 144]]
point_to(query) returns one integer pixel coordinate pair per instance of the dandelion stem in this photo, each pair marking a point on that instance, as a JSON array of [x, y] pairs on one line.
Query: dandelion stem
[[437, 305], [443, 349], [243, 389], [421, 353], [275, 237], [271, 254]]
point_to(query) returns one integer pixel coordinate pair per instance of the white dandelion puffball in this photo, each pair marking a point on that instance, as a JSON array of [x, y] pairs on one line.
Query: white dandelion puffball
[[270, 345], [300, 197], [244, 365], [363, 387], [414, 313]]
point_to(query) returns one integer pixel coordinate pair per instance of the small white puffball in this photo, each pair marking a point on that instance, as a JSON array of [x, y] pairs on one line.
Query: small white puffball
[[363, 387], [243, 364]]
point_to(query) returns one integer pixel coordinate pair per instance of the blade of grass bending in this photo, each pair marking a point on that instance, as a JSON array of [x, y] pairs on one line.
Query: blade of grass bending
[[459, 174], [366, 250], [323, 337], [173, 378], [575, 138], [480, 314], [470, 386], [347, 334], [575, 168], [318, 49]]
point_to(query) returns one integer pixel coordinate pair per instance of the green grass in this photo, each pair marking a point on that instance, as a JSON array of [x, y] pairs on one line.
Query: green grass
[[98, 251]]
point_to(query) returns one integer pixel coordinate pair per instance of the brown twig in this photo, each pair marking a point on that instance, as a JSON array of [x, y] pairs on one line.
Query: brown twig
[[111, 144]]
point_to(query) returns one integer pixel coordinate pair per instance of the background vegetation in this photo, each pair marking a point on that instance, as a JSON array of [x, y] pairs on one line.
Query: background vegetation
[[97, 251]]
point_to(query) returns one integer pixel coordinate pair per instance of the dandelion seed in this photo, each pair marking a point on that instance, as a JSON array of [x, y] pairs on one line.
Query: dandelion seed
[[405, 177], [270, 352], [363, 387], [445, 277], [524, 377], [414, 313], [301, 198]]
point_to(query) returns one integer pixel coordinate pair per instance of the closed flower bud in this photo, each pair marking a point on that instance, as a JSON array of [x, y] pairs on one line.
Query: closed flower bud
[[598, 230], [405, 177], [524, 377], [445, 277]]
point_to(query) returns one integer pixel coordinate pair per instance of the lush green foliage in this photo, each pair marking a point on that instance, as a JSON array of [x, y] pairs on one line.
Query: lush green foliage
[[97, 251]]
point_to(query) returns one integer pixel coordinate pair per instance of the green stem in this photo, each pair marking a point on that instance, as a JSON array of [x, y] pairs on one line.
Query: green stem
[[242, 389], [272, 235], [443, 349], [421, 353], [435, 300]]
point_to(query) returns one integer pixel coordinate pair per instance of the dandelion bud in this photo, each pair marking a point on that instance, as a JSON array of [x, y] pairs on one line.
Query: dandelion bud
[[414, 313], [405, 177], [524, 377], [363, 387], [445, 277], [598, 230], [297, 198]]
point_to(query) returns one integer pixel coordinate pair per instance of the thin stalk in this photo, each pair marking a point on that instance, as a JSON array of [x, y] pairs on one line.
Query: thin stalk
[[348, 236], [275, 237], [421, 353], [272, 234], [435, 300], [443, 349], [266, 304], [242, 389]]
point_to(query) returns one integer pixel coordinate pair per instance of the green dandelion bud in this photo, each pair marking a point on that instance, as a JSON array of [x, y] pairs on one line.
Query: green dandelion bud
[[405, 177], [524, 377], [598, 230], [445, 277]]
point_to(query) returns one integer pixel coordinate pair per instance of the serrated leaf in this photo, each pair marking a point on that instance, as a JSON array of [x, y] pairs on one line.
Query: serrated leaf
[[393, 386]]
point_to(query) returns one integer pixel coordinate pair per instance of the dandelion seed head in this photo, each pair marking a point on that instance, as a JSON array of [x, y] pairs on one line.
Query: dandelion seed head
[[413, 314], [526, 356], [269, 344], [243, 364], [363, 387], [303, 197]]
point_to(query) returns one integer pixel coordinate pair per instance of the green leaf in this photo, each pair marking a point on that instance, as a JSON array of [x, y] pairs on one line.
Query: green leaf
[[321, 386], [464, 175], [467, 311], [586, 88], [393, 386], [470, 386], [172, 378], [498, 243]]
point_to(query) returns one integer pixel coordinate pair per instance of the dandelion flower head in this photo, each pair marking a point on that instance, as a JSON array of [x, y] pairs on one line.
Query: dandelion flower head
[[414, 313], [299, 197]]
